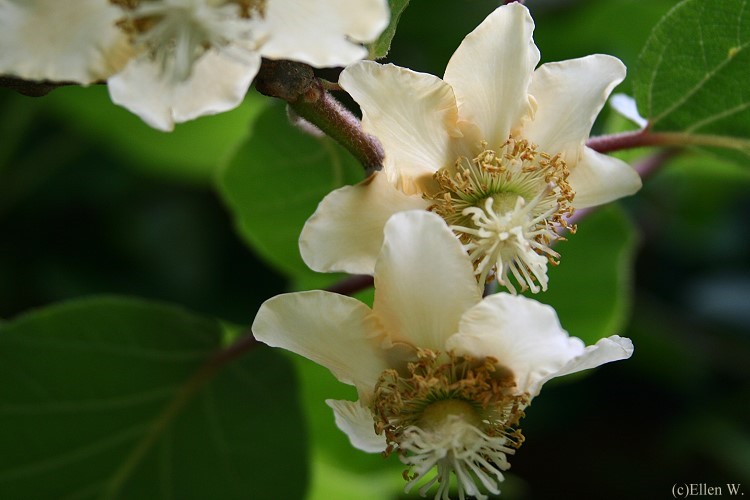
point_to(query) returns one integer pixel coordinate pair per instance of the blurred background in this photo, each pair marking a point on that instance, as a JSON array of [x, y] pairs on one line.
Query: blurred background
[[94, 202]]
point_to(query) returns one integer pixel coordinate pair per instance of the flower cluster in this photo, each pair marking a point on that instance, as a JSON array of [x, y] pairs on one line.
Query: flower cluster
[[482, 172], [170, 61]]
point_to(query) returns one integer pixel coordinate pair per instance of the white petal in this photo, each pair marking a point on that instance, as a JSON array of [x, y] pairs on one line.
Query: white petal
[[218, 83], [73, 40], [346, 231], [599, 178], [321, 32], [424, 280], [627, 107], [524, 335], [356, 422], [569, 96], [606, 350], [337, 332], [491, 70], [413, 115]]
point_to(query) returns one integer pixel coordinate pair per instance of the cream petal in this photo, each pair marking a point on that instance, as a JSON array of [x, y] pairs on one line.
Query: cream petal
[[218, 83], [424, 280], [569, 96], [524, 335], [73, 40], [413, 115], [321, 32], [491, 70], [346, 231], [606, 350], [627, 107], [598, 179], [337, 332], [356, 422]]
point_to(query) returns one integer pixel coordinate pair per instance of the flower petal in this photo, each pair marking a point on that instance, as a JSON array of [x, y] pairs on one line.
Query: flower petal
[[217, 83], [569, 96], [413, 115], [424, 280], [627, 107], [524, 335], [606, 350], [598, 179], [335, 239], [491, 70], [74, 40], [337, 332], [356, 422], [321, 32]]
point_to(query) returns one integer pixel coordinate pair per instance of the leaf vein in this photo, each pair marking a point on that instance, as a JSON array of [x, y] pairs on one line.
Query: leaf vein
[[713, 72], [75, 455], [103, 404], [718, 116]]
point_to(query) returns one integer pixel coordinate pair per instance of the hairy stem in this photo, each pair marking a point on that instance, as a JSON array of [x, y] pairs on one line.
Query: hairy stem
[[644, 137], [296, 84]]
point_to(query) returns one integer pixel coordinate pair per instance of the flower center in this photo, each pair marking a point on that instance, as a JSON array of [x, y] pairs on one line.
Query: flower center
[[507, 207], [176, 33], [459, 416]]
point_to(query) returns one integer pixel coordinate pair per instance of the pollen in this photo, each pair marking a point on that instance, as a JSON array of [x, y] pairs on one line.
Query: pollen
[[455, 414], [508, 207]]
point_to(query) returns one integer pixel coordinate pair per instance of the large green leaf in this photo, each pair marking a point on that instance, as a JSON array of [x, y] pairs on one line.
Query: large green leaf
[[693, 73], [591, 288], [380, 47], [192, 152], [275, 181], [113, 398]]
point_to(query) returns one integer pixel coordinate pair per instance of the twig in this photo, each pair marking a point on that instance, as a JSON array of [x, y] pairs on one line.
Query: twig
[[297, 84]]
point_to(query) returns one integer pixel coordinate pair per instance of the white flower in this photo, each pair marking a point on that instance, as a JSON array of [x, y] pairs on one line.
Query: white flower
[[496, 148], [443, 376], [71, 40], [170, 61], [199, 57]]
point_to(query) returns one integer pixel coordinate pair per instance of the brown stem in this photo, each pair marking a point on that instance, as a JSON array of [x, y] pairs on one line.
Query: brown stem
[[645, 137], [32, 88], [297, 84], [624, 140], [352, 284]]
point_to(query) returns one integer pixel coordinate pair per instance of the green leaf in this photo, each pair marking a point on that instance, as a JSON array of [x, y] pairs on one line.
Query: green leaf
[[192, 152], [380, 47], [274, 183], [591, 288], [112, 398], [693, 73]]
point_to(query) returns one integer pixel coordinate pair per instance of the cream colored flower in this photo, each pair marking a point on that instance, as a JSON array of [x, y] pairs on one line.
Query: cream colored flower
[[496, 148], [72, 40], [443, 376], [169, 61], [199, 57]]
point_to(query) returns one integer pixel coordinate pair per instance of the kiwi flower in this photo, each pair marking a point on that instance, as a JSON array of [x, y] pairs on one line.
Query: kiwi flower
[[169, 61], [496, 148], [443, 375]]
